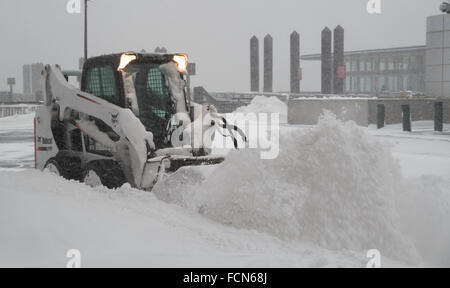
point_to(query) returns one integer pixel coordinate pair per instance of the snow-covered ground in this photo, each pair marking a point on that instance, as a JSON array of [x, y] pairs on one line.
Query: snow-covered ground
[[16, 142], [334, 192]]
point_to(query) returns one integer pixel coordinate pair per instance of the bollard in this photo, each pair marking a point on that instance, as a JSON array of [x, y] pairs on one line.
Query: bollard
[[438, 116], [406, 115], [381, 114]]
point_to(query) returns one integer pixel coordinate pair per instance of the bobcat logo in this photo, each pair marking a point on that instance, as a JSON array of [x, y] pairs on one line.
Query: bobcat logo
[[115, 119]]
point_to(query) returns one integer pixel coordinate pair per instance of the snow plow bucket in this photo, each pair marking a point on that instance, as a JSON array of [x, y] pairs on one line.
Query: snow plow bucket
[[176, 162], [162, 166]]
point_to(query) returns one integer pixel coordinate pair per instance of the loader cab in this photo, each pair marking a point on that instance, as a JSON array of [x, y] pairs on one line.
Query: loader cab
[[135, 83]]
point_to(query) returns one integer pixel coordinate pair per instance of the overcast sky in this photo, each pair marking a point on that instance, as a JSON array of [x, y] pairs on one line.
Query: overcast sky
[[214, 33]]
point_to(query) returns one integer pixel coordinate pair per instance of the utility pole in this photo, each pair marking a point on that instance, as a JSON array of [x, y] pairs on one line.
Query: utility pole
[[85, 30]]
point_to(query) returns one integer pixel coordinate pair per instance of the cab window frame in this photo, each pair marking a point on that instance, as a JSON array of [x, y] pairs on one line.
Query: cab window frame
[[110, 94]]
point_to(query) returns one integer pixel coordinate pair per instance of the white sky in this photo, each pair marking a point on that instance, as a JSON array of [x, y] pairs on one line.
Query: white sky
[[214, 33]]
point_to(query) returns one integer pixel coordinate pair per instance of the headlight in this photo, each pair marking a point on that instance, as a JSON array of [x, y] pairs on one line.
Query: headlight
[[126, 59], [182, 62]]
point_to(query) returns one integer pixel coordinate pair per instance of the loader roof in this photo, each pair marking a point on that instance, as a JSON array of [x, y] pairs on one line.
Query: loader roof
[[114, 59]]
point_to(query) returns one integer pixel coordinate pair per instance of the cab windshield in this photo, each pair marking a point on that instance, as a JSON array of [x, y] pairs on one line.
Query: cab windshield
[[148, 96]]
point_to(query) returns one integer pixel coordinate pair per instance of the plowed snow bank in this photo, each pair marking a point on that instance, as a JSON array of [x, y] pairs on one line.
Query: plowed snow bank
[[263, 104], [43, 216], [332, 185]]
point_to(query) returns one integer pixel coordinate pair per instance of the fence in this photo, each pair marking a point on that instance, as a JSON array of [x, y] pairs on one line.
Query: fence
[[16, 109]]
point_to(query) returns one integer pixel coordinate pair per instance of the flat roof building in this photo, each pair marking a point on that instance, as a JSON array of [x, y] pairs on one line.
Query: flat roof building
[[379, 71]]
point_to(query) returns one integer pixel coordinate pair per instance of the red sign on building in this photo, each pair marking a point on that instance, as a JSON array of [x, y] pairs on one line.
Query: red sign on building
[[341, 73]]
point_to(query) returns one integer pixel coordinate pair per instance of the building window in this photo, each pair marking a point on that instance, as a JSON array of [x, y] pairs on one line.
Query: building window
[[390, 85], [361, 66], [348, 85], [361, 84], [382, 64], [369, 66], [412, 83], [348, 66], [354, 84], [382, 84], [354, 66], [368, 84], [390, 64], [405, 63]]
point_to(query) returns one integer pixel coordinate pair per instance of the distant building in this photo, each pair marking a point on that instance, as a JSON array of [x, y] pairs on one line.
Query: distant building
[[32, 80], [438, 60], [36, 70], [383, 70], [27, 79]]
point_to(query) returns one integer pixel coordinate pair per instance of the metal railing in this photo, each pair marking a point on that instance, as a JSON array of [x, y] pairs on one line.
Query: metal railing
[[7, 110]]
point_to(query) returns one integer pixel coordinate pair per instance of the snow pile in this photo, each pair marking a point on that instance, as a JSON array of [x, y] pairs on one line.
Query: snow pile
[[333, 185], [424, 208], [263, 104], [42, 216]]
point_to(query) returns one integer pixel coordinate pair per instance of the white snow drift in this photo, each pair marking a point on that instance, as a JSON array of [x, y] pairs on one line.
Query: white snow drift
[[262, 104], [43, 216], [333, 185]]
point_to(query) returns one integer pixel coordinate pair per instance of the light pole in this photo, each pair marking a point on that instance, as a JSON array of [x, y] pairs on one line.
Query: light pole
[[85, 30]]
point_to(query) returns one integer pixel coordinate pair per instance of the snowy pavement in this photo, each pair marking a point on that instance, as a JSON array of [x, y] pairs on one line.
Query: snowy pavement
[[42, 216], [421, 152], [16, 142]]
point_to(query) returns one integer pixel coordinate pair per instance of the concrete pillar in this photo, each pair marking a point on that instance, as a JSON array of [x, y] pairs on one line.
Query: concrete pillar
[[406, 116], [268, 63], [327, 77], [338, 61], [381, 115], [254, 64], [438, 116], [295, 62]]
